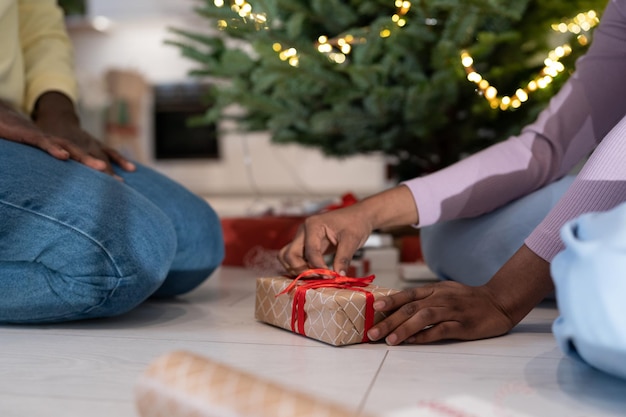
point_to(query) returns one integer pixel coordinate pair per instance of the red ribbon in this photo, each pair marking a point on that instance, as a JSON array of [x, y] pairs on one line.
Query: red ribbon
[[298, 315]]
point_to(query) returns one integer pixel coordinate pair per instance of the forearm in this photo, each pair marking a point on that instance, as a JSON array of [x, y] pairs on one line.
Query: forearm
[[522, 282], [46, 50], [390, 208], [600, 186], [55, 105]]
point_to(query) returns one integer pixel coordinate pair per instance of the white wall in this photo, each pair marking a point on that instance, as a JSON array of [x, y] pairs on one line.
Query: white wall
[[135, 41]]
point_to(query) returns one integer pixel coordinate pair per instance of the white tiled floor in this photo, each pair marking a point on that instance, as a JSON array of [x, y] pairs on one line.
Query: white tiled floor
[[90, 368]]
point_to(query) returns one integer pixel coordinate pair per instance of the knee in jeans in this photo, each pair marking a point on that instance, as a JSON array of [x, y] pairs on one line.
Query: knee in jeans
[[199, 258], [207, 238], [105, 296], [433, 241], [144, 272], [182, 282], [130, 292]]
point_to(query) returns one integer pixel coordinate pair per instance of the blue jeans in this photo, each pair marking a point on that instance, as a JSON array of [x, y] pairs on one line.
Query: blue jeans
[[77, 244], [471, 250]]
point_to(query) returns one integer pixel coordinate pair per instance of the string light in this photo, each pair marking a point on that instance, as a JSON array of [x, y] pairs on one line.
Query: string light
[[244, 10], [337, 49], [579, 26]]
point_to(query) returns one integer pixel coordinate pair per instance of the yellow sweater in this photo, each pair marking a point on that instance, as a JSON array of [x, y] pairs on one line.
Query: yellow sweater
[[36, 55]]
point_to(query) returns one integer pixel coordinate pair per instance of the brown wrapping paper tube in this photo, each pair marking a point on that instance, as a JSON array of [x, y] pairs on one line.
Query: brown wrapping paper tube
[[183, 384]]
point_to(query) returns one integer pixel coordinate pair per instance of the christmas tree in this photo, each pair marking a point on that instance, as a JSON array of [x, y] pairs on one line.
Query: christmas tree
[[73, 7], [424, 82]]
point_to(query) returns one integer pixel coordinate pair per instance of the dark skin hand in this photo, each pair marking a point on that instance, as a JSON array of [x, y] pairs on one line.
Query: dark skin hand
[[55, 129], [344, 231], [441, 311], [452, 311]]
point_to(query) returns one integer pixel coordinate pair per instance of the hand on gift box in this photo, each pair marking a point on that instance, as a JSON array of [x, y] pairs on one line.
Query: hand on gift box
[[442, 311], [341, 232], [345, 230], [250, 240], [452, 311]]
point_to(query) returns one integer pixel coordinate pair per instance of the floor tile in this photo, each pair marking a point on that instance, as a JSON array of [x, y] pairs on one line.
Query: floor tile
[[539, 386], [90, 368]]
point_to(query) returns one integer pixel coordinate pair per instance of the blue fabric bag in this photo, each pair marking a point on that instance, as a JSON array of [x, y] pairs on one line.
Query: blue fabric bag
[[590, 279]]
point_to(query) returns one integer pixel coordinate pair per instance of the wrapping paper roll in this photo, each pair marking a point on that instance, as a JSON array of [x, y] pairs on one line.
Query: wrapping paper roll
[[183, 384]]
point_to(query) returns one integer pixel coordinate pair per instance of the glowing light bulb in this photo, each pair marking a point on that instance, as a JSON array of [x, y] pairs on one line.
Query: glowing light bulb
[[521, 95], [491, 92], [474, 77], [467, 61]]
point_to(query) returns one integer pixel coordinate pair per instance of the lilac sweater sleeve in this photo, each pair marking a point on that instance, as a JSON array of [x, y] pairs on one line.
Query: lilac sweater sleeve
[[589, 106]]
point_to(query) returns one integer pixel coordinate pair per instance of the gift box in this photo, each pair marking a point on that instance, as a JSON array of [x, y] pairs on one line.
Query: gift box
[[251, 240], [337, 310], [410, 248], [359, 267], [382, 259], [245, 237]]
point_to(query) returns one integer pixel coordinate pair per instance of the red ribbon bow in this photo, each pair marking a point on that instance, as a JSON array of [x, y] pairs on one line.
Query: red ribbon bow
[[298, 315]]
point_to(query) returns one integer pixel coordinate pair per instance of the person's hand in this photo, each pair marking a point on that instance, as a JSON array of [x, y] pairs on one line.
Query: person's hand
[[76, 144], [341, 231], [449, 310], [441, 311], [56, 117], [345, 230], [57, 131]]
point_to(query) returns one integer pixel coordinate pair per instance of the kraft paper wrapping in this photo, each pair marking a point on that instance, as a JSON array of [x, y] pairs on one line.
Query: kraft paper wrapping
[[183, 384], [334, 316]]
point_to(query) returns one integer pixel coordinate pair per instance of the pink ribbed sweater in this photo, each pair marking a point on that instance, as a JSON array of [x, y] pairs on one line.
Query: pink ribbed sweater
[[588, 113]]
